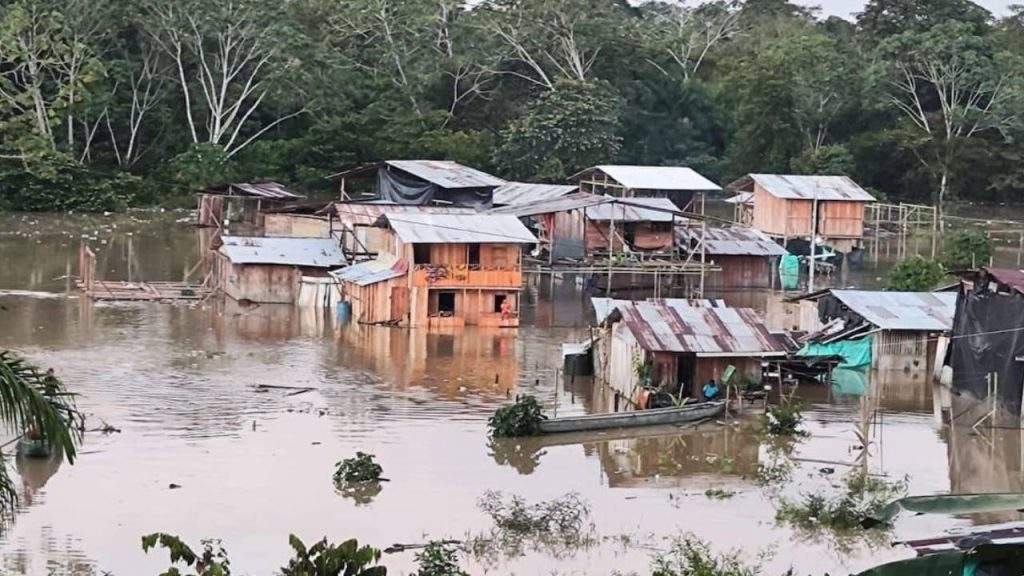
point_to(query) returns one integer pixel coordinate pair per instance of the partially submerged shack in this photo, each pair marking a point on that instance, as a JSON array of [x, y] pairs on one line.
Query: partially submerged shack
[[422, 182], [987, 344], [785, 206], [441, 271], [678, 346], [639, 225], [747, 258], [271, 270], [900, 330], [684, 186], [241, 202]]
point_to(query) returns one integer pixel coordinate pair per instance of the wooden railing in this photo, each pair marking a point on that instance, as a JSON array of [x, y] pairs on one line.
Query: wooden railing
[[445, 276]]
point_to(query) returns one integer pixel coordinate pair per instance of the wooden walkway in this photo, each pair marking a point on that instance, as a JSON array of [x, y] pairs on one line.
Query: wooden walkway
[[145, 291]]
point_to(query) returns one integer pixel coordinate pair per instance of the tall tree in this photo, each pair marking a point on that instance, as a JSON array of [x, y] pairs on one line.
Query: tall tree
[[948, 84]]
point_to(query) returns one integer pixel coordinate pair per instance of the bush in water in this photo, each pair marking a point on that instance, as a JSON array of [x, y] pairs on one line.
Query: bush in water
[[321, 559], [916, 274], [522, 418], [690, 556], [967, 249], [361, 468], [439, 559], [785, 418]]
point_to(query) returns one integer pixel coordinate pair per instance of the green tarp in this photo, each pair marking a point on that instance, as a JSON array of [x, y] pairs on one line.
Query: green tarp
[[789, 272], [856, 353], [847, 382]]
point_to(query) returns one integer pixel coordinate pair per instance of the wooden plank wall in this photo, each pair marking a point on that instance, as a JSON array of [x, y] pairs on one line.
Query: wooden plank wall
[[265, 284], [740, 272]]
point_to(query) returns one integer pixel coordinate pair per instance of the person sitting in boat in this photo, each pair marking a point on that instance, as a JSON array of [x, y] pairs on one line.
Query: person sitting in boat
[[710, 390]]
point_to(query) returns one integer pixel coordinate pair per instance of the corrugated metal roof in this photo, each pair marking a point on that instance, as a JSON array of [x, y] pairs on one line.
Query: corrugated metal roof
[[603, 307], [574, 201], [311, 252], [519, 193], [373, 210], [793, 187], [626, 210], [264, 189], [385, 267], [447, 174], [656, 177], [741, 198], [1009, 276], [459, 228], [703, 331], [924, 311], [731, 241]]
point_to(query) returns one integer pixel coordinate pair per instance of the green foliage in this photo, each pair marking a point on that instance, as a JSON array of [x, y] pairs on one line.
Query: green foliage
[[96, 117], [33, 401], [966, 250], [564, 130], [859, 496], [719, 494], [360, 468], [521, 418], [690, 556], [556, 526], [785, 418], [213, 561], [439, 559], [915, 274], [326, 559]]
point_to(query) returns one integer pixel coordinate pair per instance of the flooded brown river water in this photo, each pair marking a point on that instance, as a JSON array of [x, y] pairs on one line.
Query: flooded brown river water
[[180, 384]]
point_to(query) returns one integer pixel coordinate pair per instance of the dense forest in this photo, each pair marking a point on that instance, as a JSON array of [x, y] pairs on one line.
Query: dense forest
[[110, 103]]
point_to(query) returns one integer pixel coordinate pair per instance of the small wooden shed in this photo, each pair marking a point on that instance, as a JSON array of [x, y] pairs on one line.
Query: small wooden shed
[[270, 270], [241, 202], [784, 207], [747, 258]]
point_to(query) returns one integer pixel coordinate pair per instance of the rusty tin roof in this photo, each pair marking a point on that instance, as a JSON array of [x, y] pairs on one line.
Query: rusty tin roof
[[385, 267], [262, 189], [705, 331]]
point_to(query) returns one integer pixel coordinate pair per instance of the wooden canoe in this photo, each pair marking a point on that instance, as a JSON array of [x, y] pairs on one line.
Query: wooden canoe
[[633, 418]]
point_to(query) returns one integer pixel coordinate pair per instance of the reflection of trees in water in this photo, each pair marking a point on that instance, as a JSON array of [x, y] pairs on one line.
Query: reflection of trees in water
[[47, 556], [523, 454]]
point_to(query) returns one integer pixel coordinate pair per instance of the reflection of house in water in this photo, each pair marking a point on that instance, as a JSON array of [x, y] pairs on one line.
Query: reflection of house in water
[[476, 358], [441, 271], [680, 343], [691, 459]]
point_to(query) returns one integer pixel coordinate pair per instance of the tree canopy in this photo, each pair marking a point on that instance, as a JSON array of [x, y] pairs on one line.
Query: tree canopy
[[107, 104]]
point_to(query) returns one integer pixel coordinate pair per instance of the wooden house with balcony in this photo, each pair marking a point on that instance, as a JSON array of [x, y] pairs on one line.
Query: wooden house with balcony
[[785, 207], [440, 271]]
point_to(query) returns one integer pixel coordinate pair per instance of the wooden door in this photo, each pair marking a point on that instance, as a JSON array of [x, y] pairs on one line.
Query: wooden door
[[399, 302]]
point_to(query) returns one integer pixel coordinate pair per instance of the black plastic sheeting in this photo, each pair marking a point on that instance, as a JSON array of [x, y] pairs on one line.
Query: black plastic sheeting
[[401, 188], [988, 336]]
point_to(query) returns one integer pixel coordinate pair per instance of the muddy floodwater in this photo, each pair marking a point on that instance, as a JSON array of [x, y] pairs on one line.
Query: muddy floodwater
[[181, 385]]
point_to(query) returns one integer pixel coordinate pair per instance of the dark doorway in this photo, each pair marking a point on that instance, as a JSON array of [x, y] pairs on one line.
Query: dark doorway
[[499, 299], [446, 303], [686, 368], [474, 254]]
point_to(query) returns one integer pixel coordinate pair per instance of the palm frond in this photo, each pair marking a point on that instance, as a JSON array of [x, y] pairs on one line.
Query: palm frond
[[32, 398]]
